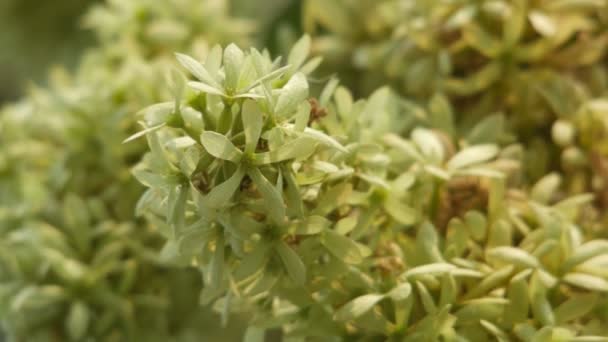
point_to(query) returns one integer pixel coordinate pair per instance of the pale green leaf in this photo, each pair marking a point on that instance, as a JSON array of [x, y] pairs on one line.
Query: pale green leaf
[[429, 144], [77, 321], [342, 247], [292, 94], [513, 255], [472, 155], [298, 148], [205, 88], [216, 267], [252, 124], [357, 307], [273, 199], [312, 225], [302, 116], [543, 23], [575, 307], [293, 264], [586, 281], [221, 194], [220, 146], [400, 292], [233, 61], [429, 269], [299, 52], [197, 70]]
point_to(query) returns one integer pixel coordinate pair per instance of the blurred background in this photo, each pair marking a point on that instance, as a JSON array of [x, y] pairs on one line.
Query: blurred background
[[35, 35]]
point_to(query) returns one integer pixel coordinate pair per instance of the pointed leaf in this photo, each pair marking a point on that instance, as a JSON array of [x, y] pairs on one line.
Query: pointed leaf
[[197, 70], [252, 124], [472, 155], [220, 147], [294, 265], [221, 194], [299, 52], [357, 307], [233, 61], [273, 199], [292, 94], [297, 148]]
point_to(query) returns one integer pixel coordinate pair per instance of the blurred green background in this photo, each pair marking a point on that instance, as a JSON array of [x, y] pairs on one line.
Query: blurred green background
[[35, 35]]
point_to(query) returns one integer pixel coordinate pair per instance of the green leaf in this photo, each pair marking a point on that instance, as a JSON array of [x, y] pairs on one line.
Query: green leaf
[[343, 247], [292, 94], [482, 40], [400, 212], [299, 52], [319, 136], [293, 264], [214, 61], [545, 188], [233, 61], [264, 78], [500, 335], [312, 225], [575, 307], [254, 334], [429, 144], [496, 278], [513, 255], [197, 70], [273, 199], [475, 82], [302, 116], [585, 252], [221, 194], [541, 307], [157, 113], [404, 146], [178, 196], [357, 307], [193, 120], [449, 290], [205, 88], [586, 281], [297, 148], [311, 65], [220, 147], [425, 297], [400, 292], [441, 115], [429, 269], [477, 224], [542, 23], [515, 25], [144, 132], [472, 155], [519, 303], [489, 130], [216, 267], [252, 124], [77, 321], [328, 92]]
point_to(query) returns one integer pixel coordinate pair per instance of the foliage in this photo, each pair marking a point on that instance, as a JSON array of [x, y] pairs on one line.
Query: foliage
[[320, 217], [74, 259], [453, 187]]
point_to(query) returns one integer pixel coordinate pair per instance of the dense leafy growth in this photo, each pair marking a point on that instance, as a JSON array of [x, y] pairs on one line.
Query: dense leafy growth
[[454, 187]]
